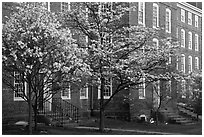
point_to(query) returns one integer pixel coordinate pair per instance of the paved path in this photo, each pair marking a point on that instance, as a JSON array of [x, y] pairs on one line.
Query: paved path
[[130, 130]]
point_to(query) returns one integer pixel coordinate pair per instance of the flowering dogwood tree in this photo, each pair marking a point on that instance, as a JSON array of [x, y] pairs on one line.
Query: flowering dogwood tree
[[117, 50], [41, 52]]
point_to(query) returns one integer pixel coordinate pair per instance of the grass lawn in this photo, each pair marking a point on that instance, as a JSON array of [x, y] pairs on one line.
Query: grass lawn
[[195, 129]]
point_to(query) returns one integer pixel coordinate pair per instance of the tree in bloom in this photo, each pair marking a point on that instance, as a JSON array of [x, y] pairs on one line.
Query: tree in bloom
[[117, 50], [39, 53]]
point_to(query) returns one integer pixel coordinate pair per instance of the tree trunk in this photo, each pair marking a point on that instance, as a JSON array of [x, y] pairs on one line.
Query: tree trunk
[[35, 113], [101, 126], [30, 110]]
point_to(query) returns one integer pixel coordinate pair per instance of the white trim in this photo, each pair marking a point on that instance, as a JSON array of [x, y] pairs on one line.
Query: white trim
[[196, 43], [183, 59], [69, 93], [184, 38], [189, 40], [196, 20], [190, 64], [111, 90], [157, 42], [86, 92], [157, 15], [139, 9], [143, 89], [189, 18], [169, 20], [190, 8], [196, 63], [48, 6], [183, 14], [25, 86]]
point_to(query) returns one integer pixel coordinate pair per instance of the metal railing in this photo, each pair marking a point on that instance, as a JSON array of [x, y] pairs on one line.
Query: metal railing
[[60, 111]]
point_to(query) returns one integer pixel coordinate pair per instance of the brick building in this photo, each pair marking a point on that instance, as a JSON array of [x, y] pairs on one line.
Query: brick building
[[164, 15]]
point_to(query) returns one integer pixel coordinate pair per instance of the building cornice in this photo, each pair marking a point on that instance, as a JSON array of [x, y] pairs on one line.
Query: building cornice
[[189, 7]]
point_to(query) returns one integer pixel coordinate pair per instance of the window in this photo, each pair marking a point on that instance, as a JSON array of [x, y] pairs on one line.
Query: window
[[108, 89], [177, 33], [19, 87], [168, 87], [196, 21], [156, 43], [183, 63], [183, 15], [189, 18], [65, 6], [168, 20], [196, 63], [141, 13], [189, 40], [196, 43], [141, 89], [177, 61], [183, 38], [84, 92], [155, 15], [66, 91], [183, 89], [190, 64]]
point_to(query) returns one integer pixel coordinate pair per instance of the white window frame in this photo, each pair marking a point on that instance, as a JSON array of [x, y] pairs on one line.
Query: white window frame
[[183, 38], [168, 21], [189, 40], [68, 96], [141, 89], [143, 13], [183, 61], [62, 6], [111, 90], [16, 83], [182, 15], [189, 18], [177, 63], [86, 92], [197, 63], [196, 21], [157, 42], [190, 64], [196, 42], [183, 88], [157, 16]]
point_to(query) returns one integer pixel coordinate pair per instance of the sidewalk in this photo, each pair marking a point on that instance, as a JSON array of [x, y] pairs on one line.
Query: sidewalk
[[129, 130]]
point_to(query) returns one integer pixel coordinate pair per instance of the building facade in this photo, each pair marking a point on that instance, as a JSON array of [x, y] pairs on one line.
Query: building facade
[[141, 99]]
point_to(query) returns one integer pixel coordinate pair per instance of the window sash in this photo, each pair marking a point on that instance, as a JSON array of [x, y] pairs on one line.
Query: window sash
[[19, 90], [196, 21], [190, 64], [108, 89], [141, 89], [66, 91], [183, 63], [189, 18], [168, 21], [141, 13], [196, 63], [183, 15], [196, 43], [189, 40], [84, 93], [182, 38], [155, 15]]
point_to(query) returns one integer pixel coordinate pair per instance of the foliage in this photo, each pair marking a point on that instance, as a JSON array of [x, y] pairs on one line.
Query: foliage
[[117, 50], [42, 52]]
